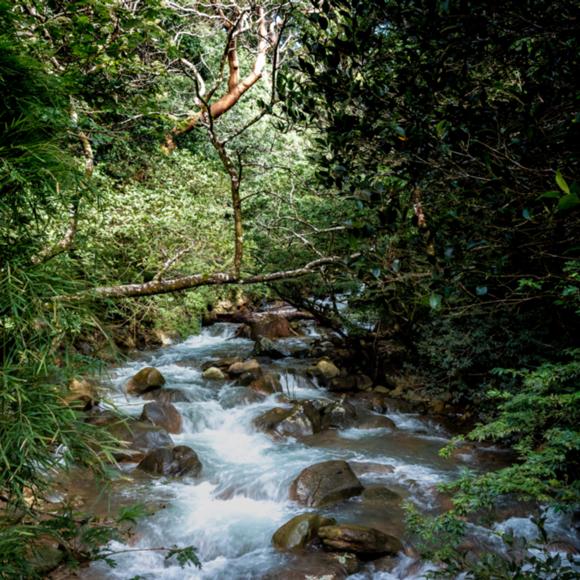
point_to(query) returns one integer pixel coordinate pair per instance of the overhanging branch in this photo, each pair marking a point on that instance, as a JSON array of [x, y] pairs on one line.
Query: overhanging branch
[[181, 283]]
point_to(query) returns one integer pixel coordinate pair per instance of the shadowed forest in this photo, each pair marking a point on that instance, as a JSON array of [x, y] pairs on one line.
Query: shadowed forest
[[289, 289]]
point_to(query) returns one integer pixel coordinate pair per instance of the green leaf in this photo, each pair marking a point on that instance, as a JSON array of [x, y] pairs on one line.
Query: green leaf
[[568, 202], [562, 182]]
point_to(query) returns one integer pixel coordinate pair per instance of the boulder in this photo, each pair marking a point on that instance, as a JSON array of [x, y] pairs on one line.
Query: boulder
[[163, 415], [380, 494], [367, 543], [213, 374], [299, 531], [236, 396], [338, 415], [172, 461], [268, 383], [325, 369], [266, 347], [298, 421], [325, 483], [137, 438], [146, 379], [166, 396], [270, 326], [251, 366]]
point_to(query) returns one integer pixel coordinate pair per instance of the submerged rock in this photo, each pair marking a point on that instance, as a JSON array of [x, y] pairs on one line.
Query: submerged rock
[[266, 347], [300, 420], [367, 543], [338, 415], [268, 383], [213, 374], [137, 438], [299, 531], [163, 415], [325, 483], [146, 379], [172, 461]]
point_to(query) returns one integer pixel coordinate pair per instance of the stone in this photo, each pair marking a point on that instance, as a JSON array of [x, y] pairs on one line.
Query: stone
[[380, 494], [437, 406], [172, 461], [270, 326], [249, 366], [268, 383], [137, 438], [213, 374], [382, 390], [338, 415], [325, 483], [365, 542], [266, 347], [298, 421], [347, 383], [326, 369], [163, 415], [299, 531], [146, 379]]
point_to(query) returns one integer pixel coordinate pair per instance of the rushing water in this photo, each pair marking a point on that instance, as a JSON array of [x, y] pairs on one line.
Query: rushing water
[[230, 513]]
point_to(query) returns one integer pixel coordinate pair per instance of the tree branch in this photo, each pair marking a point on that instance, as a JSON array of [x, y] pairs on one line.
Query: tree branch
[[197, 280]]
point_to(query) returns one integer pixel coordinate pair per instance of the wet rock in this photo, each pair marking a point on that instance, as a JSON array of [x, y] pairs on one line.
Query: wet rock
[[381, 390], [325, 483], [166, 396], [380, 494], [266, 347], [251, 366], [299, 421], [268, 383], [376, 422], [270, 326], [223, 364], [299, 531], [349, 383], [325, 370], [213, 374], [163, 415], [172, 461], [243, 331], [367, 543], [146, 379], [338, 415], [137, 438], [366, 467]]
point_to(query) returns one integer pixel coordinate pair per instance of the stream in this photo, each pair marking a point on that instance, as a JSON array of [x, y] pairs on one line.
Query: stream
[[230, 512]]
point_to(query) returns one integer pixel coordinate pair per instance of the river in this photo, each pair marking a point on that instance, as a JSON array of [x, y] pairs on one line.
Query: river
[[230, 513]]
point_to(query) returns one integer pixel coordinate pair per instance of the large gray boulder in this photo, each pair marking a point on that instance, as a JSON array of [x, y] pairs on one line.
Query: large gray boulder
[[325, 483]]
